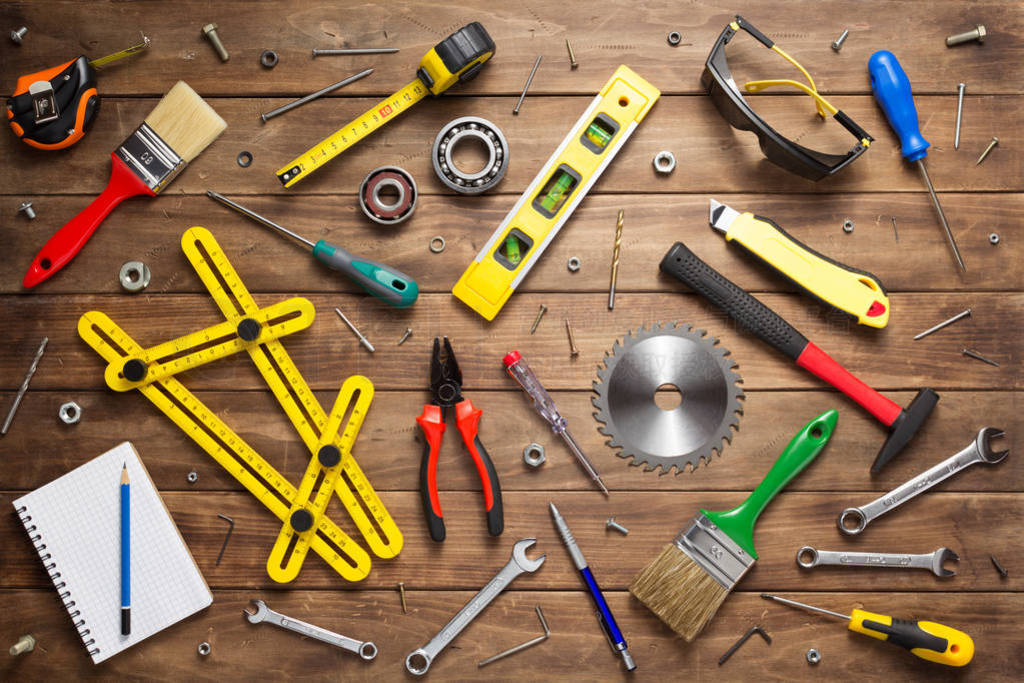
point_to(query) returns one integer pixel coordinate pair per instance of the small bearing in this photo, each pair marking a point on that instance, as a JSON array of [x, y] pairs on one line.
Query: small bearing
[[461, 130], [573, 264], [134, 276], [534, 455], [374, 206], [664, 162], [848, 225], [268, 58], [244, 159], [204, 648], [674, 38], [70, 413], [813, 656], [192, 477], [437, 244], [993, 238]]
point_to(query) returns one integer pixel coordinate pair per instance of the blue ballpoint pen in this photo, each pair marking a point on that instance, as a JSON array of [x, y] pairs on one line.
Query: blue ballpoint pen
[[605, 618]]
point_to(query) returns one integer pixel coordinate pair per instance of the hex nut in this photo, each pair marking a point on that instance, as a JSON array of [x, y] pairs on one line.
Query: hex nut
[[204, 648], [134, 276], [848, 225], [244, 159], [268, 58], [534, 455], [70, 413], [664, 162], [993, 238], [674, 38], [573, 264], [193, 477], [813, 656]]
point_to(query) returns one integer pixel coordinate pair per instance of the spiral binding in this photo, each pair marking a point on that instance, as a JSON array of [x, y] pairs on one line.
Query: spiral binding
[[61, 586]]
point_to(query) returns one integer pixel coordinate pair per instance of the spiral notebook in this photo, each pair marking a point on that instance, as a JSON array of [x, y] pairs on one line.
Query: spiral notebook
[[74, 523]]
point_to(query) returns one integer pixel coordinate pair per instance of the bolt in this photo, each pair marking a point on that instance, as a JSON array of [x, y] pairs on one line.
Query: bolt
[[837, 44], [573, 351], [572, 55], [401, 594], [959, 113], [26, 208], [405, 336], [540, 314], [26, 643], [16, 35], [210, 31], [991, 145], [612, 524], [978, 356], [977, 33]]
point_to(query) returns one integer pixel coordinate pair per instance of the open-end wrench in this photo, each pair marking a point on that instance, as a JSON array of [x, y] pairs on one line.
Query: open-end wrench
[[808, 557], [418, 661], [366, 650], [852, 521]]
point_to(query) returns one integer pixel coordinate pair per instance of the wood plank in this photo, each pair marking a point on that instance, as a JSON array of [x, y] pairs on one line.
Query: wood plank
[[919, 260], [973, 525], [576, 648], [600, 38], [713, 159], [389, 448], [327, 351]]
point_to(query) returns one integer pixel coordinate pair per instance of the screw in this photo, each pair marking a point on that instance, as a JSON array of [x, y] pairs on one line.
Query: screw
[[995, 563], [210, 31], [26, 643], [529, 80], [848, 225], [993, 238], [573, 351], [977, 33], [837, 44], [362, 340], [959, 113], [978, 356], [405, 336], [944, 323], [26, 208], [540, 314], [401, 594], [991, 145], [612, 524], [894, 231], [572, 55], [16, 35]]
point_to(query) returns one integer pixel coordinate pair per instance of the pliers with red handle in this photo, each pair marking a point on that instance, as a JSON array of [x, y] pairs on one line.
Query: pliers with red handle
[[446, 386]]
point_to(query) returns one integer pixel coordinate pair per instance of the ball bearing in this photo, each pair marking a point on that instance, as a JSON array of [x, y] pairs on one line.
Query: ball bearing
[[377, 207], [458, 132]]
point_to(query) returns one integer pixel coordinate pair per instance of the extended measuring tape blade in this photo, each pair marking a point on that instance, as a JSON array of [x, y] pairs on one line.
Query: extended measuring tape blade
[[229, 450], [455, 59], [287, 555], [298, 401], [555, 192]]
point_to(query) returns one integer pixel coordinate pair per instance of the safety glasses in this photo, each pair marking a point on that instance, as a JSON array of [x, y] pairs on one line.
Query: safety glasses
[[720, 86]]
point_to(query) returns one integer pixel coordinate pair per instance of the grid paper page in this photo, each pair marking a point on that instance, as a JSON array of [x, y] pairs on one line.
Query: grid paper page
[[78, 517]]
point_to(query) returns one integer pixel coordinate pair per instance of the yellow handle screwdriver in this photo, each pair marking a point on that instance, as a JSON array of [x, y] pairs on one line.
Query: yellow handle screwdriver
[[925, 639]]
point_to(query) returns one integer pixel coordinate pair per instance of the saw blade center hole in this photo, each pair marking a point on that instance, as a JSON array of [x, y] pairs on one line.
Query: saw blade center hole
[[668, 397]]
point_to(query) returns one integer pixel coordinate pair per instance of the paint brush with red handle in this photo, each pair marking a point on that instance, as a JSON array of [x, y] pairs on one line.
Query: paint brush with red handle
[[180, 127]]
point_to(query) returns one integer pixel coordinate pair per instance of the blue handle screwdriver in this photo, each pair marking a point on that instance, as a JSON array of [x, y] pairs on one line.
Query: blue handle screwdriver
[[891, 87]]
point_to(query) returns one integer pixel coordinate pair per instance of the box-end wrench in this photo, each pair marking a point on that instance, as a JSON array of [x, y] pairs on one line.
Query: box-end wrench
[[366, 650], [808, 557], [418, 661], [852, 521]]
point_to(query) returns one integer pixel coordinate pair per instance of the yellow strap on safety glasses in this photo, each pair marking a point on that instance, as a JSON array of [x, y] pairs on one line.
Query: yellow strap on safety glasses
[[819, 101], [810, 80]]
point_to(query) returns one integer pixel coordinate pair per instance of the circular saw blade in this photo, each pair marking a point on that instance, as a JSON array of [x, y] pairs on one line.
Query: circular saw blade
[[678, 355]]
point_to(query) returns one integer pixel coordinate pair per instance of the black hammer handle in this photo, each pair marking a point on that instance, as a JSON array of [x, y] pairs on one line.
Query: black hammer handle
[[684, 265]]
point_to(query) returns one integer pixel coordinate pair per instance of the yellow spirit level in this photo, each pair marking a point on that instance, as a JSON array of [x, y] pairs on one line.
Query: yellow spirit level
[[553, 194], [456, 59]]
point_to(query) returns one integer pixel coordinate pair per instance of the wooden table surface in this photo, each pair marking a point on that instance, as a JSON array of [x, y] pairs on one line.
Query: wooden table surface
[[976, 514]]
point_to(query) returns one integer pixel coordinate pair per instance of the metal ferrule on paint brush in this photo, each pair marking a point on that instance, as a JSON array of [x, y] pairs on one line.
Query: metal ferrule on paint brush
[[151, 158], [714, 551]]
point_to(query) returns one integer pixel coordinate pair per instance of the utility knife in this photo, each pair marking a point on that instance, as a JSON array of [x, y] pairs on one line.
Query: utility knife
[[855, 292]]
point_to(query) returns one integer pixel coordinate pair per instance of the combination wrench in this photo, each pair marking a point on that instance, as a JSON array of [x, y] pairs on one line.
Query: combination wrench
[[418, 661], [808, 557], [366, 650], [852, 521]]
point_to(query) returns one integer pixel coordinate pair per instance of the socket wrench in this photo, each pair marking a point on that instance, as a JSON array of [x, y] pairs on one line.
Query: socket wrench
[[978, 451], [808, 557], [366, 650], [419, 661]]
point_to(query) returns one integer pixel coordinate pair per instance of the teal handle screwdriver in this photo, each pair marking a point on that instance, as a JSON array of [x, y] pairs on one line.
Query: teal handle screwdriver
[[384, 282], [892, 91]]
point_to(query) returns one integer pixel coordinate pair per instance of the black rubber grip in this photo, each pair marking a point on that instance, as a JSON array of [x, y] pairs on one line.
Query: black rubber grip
[[435, 523], [750, 313], [908, 635], [749, 28]]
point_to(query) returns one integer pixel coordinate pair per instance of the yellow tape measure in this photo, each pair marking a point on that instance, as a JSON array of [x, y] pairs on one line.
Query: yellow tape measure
[[555, 192], [456, 59]]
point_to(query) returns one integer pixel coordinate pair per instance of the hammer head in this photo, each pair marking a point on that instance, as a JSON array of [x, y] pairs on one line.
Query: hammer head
[[903, 429]]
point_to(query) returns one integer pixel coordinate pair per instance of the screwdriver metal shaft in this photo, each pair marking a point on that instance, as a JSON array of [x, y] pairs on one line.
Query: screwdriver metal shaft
[[942, 215]]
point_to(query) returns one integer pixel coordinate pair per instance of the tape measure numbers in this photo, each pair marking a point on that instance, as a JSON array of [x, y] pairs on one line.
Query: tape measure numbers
[[555, 192], [456, 59]]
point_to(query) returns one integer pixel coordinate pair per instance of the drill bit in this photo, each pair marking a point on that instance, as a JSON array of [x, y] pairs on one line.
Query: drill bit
[[24, 386], [615, 262]]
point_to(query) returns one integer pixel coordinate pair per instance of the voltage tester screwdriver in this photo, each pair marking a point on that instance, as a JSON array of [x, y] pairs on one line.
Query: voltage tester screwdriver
[[925, 639], [891, 87], [384, 282]]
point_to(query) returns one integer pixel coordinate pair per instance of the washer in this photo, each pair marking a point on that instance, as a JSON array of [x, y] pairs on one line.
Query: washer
[[388, 177], [134, 276], [674, 38], [664, 161], [204, 648], [437, 244], [459, 131], [268, 58], [244, 159], [993, 238]]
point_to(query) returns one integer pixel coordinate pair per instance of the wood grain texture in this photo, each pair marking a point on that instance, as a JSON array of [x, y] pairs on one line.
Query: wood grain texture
[[976, 513]]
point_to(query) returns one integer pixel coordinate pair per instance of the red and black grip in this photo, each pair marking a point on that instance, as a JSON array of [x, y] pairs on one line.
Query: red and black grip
[[432, 424], [467, 418]]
